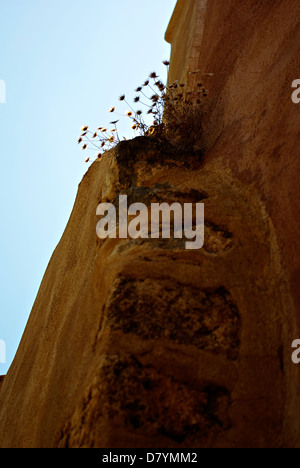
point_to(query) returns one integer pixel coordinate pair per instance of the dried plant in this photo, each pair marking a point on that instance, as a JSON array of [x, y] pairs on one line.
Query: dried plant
[[170, 113]]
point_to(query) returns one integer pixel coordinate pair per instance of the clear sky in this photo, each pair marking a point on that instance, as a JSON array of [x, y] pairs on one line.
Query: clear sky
[[64, 63]]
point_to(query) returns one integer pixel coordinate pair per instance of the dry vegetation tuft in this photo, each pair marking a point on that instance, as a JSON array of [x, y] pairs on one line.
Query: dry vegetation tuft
[[174, 114]]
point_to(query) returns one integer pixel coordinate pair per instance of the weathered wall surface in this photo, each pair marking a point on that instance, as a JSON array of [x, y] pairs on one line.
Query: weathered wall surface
[[144, 344], [253, 51], [185, 33]]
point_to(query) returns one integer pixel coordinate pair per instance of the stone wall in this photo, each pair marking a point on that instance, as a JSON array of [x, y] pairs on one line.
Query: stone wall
[[139, 343]]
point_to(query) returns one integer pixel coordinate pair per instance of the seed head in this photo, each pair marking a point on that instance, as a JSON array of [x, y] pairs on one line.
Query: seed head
[[166, 62], [84, 129], [160, 85], [84, 147], [122, 98], [112, 109], [129, 114]]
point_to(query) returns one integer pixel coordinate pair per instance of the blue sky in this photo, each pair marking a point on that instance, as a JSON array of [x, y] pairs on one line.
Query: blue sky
[[64, 64]]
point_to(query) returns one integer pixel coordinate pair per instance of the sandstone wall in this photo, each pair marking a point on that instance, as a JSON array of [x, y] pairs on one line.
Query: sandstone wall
[[252, 49], [136, 343]]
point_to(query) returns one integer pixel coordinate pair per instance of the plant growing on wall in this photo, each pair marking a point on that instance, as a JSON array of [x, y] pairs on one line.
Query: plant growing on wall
[[172, 113]]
